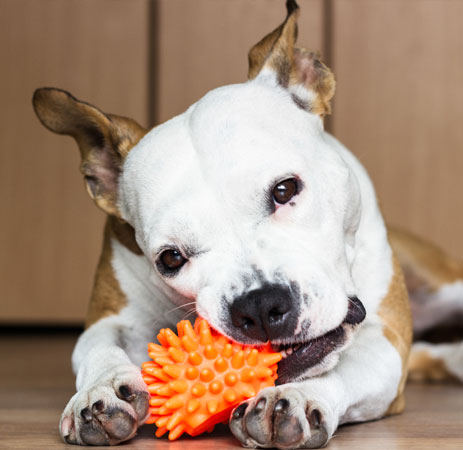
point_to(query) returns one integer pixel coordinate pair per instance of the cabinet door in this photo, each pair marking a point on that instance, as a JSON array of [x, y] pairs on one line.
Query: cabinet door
[[50, 231], [399, 107], [203, 44], [140, 58]]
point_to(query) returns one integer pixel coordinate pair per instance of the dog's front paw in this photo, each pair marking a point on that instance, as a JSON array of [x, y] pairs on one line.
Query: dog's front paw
[[280, 417], [108, 412]]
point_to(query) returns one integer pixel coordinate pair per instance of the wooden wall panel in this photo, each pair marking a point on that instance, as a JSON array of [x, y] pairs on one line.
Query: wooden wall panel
[[399, 107], [50, 231], [203, 44]]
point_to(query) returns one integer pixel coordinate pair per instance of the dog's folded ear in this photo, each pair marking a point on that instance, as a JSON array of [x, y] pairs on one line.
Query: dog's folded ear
[[310, 82], [104, 140]]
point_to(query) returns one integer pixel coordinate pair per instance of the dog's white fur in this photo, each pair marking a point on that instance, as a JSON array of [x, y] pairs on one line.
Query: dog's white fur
[[200, 180]]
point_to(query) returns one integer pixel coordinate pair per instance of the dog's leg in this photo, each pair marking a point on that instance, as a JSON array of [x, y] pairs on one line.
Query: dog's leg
[[435, 284], [112, 398], [434, 280], [305, 414], [436, 362]]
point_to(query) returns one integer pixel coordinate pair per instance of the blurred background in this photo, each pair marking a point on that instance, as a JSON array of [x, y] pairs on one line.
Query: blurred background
[[398, 107]]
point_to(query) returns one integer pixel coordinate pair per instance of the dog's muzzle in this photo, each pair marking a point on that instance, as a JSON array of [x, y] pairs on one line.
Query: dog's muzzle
[[271, 313]]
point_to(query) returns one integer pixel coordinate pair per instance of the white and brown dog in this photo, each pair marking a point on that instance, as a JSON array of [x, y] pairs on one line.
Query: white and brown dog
[[244, 209]]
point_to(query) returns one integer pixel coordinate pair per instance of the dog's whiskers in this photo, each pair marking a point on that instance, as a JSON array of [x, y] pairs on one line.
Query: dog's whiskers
[[179, 307], [189, 313]]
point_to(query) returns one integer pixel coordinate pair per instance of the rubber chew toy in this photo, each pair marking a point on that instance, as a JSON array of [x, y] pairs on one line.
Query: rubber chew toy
[[198, 377]]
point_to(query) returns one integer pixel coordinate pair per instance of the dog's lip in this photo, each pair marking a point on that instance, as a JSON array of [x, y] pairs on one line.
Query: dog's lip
[[304, 355], [309, 354]]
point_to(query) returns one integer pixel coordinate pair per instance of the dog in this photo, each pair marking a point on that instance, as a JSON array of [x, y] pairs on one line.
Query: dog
[[244, 211]]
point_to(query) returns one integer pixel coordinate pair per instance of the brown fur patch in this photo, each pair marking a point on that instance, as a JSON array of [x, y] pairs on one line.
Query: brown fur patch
[[125, 234], [107, 297], [395, 315], [104, 141], [424, 367], [425, 265]]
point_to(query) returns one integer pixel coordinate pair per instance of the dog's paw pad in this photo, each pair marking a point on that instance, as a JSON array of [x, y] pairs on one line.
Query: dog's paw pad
[[117, 423], [99, 425], [318, 431], [92, 433], [107, 413], [281, 418], [138, 399]]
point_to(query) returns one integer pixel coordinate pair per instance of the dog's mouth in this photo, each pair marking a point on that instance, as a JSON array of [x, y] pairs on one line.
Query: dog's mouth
[[299, 357]]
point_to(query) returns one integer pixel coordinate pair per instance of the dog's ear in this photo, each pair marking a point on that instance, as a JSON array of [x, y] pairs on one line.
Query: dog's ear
[[104, 140], [310, 82]]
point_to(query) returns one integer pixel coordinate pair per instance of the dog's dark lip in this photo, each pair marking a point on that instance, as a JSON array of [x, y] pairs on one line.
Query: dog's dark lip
[[310, 353]]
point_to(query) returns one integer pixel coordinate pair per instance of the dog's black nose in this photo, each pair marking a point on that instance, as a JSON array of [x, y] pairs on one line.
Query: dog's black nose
[[266, 313]]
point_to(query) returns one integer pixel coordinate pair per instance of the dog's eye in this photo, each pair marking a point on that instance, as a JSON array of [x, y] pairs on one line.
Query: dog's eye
[[172, 260], [284, 191]]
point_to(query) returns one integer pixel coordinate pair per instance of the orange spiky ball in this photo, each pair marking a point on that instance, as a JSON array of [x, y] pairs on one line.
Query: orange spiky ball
[[198, 377]]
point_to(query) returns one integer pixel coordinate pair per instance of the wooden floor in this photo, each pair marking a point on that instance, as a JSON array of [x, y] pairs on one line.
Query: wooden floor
[[36, 381]]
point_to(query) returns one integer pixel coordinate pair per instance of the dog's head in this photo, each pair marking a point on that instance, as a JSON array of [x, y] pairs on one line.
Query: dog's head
[[240, 203]]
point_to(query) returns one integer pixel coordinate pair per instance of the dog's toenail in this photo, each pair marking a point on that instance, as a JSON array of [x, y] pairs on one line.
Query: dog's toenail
[[98, 406], [126, 392], [86, 414], [315, 418], [281, 405], [239, 412], [260, 405]]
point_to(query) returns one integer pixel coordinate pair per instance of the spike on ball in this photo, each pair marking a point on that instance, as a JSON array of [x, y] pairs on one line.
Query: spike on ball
[[197, 377]]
